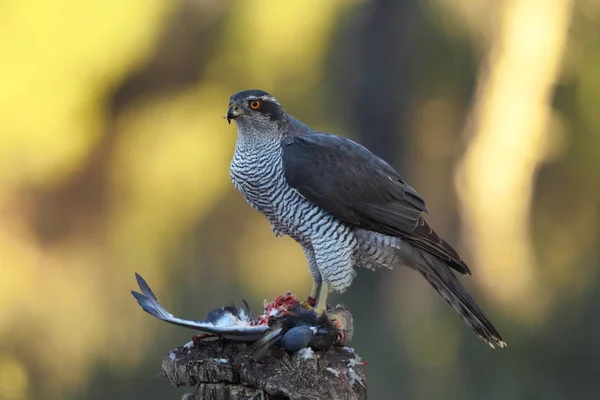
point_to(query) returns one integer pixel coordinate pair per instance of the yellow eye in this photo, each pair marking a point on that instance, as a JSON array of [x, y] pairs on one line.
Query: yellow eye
[[255, 104]]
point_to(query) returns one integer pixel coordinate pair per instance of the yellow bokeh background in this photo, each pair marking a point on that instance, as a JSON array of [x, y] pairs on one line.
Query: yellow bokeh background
[[114, 159]]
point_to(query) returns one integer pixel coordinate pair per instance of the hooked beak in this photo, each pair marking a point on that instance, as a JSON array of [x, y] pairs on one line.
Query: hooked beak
[[233, 112]]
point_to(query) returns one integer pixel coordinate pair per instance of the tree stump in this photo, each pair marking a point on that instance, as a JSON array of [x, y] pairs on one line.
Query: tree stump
[[226, 370]]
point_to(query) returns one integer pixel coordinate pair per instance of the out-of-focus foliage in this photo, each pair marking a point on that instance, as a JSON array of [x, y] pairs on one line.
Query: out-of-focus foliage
[[114, 159]]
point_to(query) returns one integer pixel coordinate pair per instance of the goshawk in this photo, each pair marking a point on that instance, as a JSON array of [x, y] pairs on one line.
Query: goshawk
[[344, 205]]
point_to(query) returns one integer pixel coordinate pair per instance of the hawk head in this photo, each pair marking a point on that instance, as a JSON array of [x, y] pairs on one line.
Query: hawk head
[[254, 108]]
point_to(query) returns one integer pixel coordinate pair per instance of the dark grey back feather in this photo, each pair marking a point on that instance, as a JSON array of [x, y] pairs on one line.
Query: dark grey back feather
[[354, 185]]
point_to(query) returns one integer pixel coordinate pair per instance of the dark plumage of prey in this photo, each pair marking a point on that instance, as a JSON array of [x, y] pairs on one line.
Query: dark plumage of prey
[[296, 329], [345, 206]]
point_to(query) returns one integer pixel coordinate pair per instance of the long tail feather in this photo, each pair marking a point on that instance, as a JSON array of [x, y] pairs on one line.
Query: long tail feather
[[443, 280], [149, 302]]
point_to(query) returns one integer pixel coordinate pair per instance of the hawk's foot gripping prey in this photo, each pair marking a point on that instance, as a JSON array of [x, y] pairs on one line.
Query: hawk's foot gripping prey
[[345, 206]]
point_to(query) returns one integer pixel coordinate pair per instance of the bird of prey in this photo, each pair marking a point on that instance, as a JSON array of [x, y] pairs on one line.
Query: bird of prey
[[345, 206]]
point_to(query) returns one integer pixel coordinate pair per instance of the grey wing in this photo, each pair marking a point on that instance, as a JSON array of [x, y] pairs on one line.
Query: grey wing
[[270, 338], [352, 184], [213, 324]]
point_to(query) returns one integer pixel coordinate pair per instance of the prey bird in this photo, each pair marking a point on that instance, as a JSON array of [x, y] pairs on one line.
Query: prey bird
[[345, 206], [296, 329], [285, 321]]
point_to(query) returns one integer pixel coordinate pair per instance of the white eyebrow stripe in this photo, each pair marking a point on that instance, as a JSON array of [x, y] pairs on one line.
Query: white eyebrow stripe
[[265, 98]]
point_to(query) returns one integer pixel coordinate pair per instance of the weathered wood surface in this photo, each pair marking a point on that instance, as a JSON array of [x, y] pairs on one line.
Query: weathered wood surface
[[226, 370]]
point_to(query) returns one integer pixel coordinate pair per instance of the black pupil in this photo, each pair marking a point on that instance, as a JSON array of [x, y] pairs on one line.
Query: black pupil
[[254, 104]]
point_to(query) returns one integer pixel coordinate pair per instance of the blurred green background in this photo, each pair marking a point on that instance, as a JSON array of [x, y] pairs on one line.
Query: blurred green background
[[114, 159]]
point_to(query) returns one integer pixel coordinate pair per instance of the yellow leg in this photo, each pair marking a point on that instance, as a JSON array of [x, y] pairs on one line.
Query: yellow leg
[[314, 293], [322, 298]]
